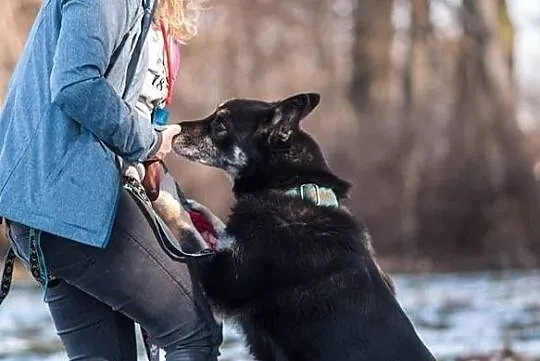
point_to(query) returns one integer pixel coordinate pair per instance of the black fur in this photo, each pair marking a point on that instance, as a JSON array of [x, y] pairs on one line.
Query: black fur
[[299, 278]]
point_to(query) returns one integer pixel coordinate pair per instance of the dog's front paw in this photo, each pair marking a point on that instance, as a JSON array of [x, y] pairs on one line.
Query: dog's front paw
[[214, 220], [179, 222]]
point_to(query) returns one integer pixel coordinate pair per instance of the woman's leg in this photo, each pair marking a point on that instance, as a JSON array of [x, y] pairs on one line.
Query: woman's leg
[[134, 276], [89, 329]]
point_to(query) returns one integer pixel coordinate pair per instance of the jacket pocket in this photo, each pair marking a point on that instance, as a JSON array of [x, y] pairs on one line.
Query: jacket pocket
[[82, 189], [66, 159]]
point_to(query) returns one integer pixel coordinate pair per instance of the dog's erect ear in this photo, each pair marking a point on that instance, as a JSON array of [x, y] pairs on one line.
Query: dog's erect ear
[[289, 112]]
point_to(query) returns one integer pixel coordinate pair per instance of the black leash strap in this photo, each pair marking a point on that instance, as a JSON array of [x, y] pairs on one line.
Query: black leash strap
[[146, 22], [7, 274], [36, 267], [166, 239], [167, 242]]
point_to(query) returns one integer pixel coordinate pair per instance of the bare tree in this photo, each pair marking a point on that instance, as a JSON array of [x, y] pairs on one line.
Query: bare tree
[[415, 132], [428, 138], [506, 33], [370, 86], [488, 178]]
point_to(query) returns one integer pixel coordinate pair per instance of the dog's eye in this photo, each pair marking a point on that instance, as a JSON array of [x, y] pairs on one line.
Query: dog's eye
[[223, 114], [221, 127], [220, 124]]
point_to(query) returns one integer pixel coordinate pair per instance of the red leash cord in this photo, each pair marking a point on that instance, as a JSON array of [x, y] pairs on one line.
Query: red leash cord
[[151, 183], [167, 46], [199, 220]]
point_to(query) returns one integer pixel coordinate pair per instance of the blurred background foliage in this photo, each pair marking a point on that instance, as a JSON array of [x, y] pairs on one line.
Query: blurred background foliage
[[430, 109]]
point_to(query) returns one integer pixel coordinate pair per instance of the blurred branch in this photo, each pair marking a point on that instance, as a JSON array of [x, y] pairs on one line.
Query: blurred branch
[[506, 33]]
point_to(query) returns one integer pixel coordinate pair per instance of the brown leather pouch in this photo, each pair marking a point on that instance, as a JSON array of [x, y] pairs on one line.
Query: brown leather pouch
[[152, 178]]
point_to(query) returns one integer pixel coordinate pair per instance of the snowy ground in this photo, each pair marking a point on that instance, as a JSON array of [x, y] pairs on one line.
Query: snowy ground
[[455, 314]]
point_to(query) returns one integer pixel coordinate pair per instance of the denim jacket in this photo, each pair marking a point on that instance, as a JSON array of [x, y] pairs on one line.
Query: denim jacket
[[68, 118]]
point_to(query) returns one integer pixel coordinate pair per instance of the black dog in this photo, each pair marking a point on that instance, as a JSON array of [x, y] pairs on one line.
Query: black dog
[[295, 269]]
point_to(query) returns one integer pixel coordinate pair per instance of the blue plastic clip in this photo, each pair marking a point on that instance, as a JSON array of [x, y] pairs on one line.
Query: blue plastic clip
[[160, 116]]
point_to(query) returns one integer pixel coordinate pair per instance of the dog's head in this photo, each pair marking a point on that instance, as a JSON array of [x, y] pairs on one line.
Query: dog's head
[[242, 135]]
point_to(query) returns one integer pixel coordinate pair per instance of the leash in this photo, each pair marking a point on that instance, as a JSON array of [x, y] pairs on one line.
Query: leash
[[146, 22], [7, 273], [166, 240], [36, 266]]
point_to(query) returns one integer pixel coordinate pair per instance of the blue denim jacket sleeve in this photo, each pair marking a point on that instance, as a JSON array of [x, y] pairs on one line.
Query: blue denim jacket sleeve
[[89, 33]]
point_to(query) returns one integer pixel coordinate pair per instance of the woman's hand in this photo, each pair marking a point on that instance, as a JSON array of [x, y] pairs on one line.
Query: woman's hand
[[152, 177], [167, 136]]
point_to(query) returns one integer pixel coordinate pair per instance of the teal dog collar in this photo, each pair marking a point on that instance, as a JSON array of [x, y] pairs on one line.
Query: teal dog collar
[[321, 196]]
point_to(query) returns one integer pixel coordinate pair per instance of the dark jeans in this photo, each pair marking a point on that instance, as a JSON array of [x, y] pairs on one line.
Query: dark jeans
[[101, 292]]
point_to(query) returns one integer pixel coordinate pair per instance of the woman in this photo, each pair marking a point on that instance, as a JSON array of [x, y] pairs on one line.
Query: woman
[[68, 126]]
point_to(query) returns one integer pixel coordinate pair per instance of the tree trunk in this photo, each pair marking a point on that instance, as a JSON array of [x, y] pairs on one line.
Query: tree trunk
[[232, 51], [418, 71], [506, 33], [415, 136], [370, 89]]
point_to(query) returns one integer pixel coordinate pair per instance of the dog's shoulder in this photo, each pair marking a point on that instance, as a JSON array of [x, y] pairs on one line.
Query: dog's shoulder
[[279, 226], [274, 212]]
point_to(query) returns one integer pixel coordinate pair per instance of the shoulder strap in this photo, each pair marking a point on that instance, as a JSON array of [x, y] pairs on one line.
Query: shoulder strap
[[145, 26], [172, 51], [175, 55]]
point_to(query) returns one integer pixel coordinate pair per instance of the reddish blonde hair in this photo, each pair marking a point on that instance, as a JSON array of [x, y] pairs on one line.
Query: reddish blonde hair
[[181, 17]]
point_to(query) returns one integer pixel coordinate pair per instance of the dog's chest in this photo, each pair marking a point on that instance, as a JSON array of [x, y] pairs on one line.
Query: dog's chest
[[259, 223]]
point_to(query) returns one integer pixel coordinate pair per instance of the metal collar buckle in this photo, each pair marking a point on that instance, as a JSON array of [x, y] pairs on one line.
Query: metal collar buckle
[[317, 191]]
